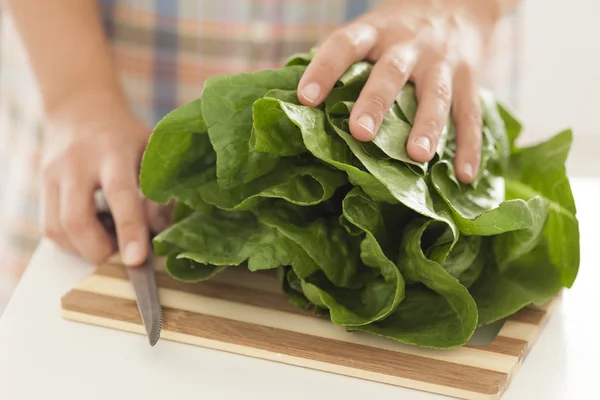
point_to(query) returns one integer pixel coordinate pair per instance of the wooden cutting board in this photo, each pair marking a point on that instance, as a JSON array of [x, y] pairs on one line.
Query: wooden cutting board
[[246, 313]]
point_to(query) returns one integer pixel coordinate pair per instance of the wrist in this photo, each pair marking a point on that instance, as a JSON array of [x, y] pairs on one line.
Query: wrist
[[486, 13], [82, 97], [92, 108], [501, 8]]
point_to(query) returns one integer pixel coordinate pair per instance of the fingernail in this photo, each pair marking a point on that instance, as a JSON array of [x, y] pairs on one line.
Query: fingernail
[[367, 122], [311, 92], [131, 253], [424, 143], [468, 170]]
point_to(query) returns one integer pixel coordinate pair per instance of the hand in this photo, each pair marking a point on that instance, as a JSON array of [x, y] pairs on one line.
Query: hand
[[438, 45], [94, 142]]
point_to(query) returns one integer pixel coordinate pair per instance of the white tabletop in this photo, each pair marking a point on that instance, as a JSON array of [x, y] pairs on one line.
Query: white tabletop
[[44, 356]]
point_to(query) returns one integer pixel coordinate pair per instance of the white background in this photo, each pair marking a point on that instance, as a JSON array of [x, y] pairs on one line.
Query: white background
[[560, 76]]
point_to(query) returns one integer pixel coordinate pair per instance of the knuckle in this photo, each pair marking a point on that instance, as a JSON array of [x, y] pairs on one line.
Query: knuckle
[[71, 154], [66, 160], [347, 38], [473, 145], [325, 68], [476, 119], [473, 118], [470, 145], [117, 186], [377, 105], [431, 128], [444, 52], [443, 93], [396, 64], [74, 221], [129, 227]]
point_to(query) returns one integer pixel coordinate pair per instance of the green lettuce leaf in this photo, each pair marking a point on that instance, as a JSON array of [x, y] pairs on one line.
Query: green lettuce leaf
[[358, 231], [539, 171], [227, 111], [450, 312], [175, 173]]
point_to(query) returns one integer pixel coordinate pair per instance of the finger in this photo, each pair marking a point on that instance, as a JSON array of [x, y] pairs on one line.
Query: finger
[[340, 50], [466, 113], [51, 226], [156, 216], [434, 93], [387, 78], [151, 213], [119, 182], [78, 216]]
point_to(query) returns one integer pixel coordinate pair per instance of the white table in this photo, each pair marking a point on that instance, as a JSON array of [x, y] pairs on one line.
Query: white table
[[43, 356]]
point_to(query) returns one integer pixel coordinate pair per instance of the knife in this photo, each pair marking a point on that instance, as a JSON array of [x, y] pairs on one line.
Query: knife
[[142, 277]]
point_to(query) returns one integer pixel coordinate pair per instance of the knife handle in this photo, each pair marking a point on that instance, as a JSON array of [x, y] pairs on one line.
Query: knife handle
[[107, 221]]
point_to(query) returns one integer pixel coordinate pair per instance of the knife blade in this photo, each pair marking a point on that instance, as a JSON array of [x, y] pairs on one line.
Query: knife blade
[[142, 278]]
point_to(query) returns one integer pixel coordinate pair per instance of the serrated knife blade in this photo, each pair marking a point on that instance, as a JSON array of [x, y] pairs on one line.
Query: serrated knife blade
[[142, 278]]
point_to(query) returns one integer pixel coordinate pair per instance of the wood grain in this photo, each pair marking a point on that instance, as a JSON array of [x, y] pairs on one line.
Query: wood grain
[[246, 313], [504, 345]]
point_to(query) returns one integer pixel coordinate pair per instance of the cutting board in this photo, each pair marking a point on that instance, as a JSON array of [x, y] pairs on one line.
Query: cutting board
[[246, 313]]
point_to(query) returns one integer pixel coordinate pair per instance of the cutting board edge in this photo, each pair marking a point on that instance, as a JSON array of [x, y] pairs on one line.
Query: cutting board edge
[[550, 308], [136, 328], [536, 329]]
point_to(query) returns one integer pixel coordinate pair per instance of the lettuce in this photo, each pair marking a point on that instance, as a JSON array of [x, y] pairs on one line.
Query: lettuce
[[359, 231]]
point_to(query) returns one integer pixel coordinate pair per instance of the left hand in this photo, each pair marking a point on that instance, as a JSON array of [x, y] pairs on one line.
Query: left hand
[[439, 45]]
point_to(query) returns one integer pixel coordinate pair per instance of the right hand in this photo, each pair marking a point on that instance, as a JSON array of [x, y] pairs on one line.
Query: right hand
[[95, 142]]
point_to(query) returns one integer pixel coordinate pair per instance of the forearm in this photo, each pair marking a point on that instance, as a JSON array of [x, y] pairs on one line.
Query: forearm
[[504, 7], [67, 49]]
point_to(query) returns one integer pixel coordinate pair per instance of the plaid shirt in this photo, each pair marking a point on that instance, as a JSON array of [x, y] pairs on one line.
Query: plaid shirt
[[163, 50]]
